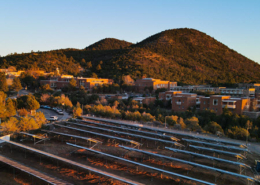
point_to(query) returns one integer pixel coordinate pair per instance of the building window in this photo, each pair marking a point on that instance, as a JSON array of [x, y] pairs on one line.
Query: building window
[[204, 102], [215, 101], [182, 107], [216, 110], [179, 107]]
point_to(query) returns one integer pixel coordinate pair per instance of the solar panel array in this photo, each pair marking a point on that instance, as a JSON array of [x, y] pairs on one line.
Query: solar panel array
[[143, 165], [216, 145], [82, 166], [32, 135], [74, 136], [191, 163], [99, 134], [167, 132], [218, 151], [33, 172], [132, 130], [156, 132], [129, 134], [208, 157]]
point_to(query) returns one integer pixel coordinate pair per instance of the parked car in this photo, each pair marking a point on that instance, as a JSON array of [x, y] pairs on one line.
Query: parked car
[[53, 118], [60, 112]]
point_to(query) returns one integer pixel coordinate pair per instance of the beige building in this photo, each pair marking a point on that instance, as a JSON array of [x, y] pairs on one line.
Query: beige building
[[58, 82], [142, 84]]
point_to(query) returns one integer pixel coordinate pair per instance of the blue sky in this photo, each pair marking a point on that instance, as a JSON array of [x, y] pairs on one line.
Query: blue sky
[[54, 24]]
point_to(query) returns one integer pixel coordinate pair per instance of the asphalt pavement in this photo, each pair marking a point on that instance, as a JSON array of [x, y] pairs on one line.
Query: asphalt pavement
[[48, 113]]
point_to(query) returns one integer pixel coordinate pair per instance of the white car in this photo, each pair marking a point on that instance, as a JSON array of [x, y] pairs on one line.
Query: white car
[[53, 118], [60, 112]]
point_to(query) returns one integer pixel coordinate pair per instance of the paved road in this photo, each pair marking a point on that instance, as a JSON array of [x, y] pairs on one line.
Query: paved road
[[49, 113], [253, 147]]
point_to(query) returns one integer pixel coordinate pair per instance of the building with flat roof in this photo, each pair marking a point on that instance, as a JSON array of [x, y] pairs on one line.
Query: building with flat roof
[[238, 92], [167, 95], [145, 100], [152, 84], [218, 102], [182, 101], [58, 82]]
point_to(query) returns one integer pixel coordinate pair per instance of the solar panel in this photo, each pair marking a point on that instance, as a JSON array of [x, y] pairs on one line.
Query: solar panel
[[219, 151], [33, 172], [165, 131], [215, 145], [74, 136], [221, 141], [32, 135], [208, 157], [129, 134], [192, 163], [82, 166], [99, 134], [143, 165], [132, 130]]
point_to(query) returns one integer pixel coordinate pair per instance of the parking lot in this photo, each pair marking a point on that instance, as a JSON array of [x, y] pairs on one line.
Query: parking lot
[[48, 113]]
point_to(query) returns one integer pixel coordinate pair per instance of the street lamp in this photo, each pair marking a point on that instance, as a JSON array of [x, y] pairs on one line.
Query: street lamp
[[248, 126]]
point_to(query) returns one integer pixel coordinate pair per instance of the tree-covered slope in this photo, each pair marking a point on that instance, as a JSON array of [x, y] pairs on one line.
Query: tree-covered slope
[[184, 55], [109, 44]]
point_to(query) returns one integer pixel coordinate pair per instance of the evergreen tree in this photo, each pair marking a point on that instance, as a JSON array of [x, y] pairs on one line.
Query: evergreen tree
[[16, 86], [98, 68], [89, 65], [10, 126], [77, 111], [2, 105], [10, 108], [72, 84], [3, 84], [27, 123], [32, 103], [83, 62], [39, 119], [94, 75]]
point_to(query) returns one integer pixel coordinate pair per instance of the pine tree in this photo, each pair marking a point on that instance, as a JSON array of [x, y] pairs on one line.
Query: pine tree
[[32, 103], [77, 111], [98, 68], [10, 108], [2, 105], [89, 65], [72, 84], [16, 86], [39, 119], [3, 84]]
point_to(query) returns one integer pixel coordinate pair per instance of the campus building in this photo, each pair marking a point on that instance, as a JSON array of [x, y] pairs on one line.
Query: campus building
[[58, 82], [152, 84], [145, 100], [182, 101], [218, 102]]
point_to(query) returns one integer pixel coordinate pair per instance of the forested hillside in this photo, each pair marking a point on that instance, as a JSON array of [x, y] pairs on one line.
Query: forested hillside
[[109, 44], [183, 55]]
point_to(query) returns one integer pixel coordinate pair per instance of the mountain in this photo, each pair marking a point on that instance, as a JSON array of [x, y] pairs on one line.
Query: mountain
[[109, 44], [184, 55]]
